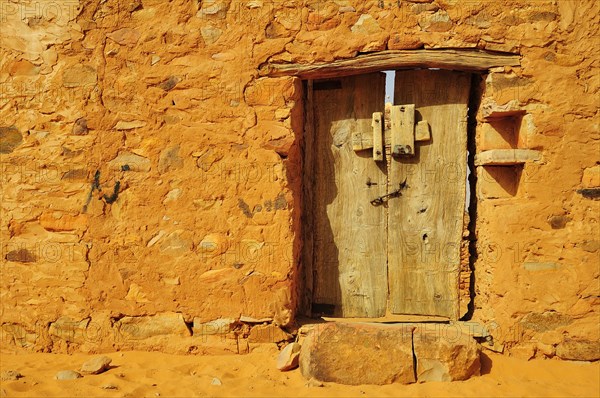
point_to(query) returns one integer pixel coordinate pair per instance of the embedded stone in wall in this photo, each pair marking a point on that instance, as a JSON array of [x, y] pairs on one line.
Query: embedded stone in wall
[[213, 245], [403, 41], [156, 238], [267, 91], [591, 177], [143, 327], [567, 11], [57, 221], [135, 293], [282, 113], [423, 7], [172, 195], [75, 174], [505, 88], [267, 334], [69, 330], [558, 221], [80, 127], [345, 9], [500, 46], [134, 124], [480, 20], [367, 25], [253, 4], [210, 34], [579, 350], [10, 138], [214, 275], [169, 83], [23, 68], [542, 322], [281, 307], [18, 335], [125, 36], [170, 160], [438, 22], [79, 75], [171, 281], [524, 351], [175, 244], [591, 246], [217, 8], [225, 56], [21, 256], [281, 145], [130, 162]]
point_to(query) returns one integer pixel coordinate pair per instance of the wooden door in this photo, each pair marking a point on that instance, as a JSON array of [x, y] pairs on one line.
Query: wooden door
[[353, 248], [348, 234], [426, 223]]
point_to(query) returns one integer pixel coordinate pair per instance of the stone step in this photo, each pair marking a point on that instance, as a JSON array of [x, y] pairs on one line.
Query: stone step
[[370, 353]]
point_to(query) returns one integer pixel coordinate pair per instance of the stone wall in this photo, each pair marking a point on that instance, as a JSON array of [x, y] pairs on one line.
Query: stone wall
[[151, 178]]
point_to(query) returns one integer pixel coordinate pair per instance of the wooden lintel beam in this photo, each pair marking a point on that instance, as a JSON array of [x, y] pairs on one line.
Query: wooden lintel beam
[[467, 60]]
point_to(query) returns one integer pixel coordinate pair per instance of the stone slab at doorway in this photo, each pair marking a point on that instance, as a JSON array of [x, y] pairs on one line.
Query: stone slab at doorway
[[368, 353]]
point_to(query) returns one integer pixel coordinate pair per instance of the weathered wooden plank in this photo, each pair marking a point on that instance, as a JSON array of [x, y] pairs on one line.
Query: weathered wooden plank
[[362, 140], [377, 125], [454, 59], [425, 223], [349, 233], [403, 129]]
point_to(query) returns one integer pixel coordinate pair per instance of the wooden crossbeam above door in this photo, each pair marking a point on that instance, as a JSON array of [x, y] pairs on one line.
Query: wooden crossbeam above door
[[453, 59]]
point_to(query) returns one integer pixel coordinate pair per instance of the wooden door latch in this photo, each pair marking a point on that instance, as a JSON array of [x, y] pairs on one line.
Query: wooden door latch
[[403, 133]]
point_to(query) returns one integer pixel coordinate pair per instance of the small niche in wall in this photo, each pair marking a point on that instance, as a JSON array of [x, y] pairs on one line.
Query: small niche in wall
[[502, 151], [499, 182], [501, 133], [501, 127]]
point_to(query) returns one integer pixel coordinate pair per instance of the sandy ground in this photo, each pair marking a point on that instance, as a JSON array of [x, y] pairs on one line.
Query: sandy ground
[[151, 374]]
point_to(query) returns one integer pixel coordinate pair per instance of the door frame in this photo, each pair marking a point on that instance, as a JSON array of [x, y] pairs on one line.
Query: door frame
[[477, 62]]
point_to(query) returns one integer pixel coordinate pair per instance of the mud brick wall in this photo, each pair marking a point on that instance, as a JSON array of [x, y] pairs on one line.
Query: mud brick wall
[[151, 184]]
